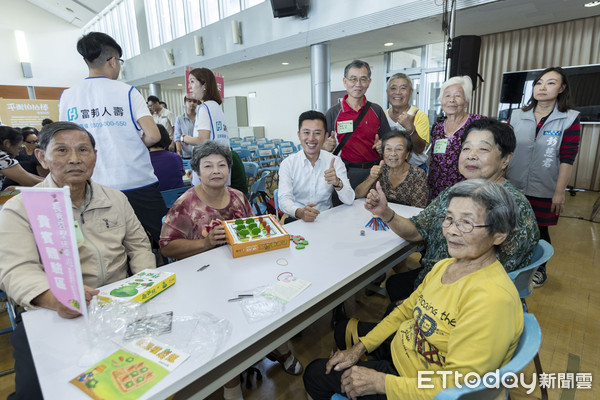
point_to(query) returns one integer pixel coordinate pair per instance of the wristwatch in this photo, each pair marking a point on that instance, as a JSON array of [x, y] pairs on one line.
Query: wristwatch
[[339, 184]]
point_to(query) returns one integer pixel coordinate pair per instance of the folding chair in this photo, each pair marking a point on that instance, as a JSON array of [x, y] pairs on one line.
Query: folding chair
[[258, 196], [523, 280], [286, 151], [251, 169], [170, 196], [10, 309], [268, 161], [254, 153], [245, 154]]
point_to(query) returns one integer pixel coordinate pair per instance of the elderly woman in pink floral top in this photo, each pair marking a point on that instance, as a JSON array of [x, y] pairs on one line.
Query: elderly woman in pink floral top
[[192, 223], [446, 136], [192, 226]]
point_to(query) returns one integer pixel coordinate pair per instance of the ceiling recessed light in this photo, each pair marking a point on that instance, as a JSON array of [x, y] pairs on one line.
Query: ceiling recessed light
[[388, 44], [285, 63], [180, 84], [592, 4]]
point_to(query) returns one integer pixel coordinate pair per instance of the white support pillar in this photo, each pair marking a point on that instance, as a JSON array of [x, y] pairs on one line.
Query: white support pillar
[[320, 77]]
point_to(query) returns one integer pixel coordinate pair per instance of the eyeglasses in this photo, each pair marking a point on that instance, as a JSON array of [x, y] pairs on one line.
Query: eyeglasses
[[354, 80], [462, 225], [32, 142], [121, 61]]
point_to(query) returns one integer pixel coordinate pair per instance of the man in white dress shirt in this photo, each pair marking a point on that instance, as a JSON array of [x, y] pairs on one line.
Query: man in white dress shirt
[[308, 178]]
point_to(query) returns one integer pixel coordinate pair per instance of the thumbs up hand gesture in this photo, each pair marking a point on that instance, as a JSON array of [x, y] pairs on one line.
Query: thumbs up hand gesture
[[376, 202], [330, 175], [377, 145], [376, 170], [330, 142], [407, 120]]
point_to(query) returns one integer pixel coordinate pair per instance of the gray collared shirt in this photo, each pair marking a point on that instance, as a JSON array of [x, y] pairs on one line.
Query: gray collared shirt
[[184, 126]]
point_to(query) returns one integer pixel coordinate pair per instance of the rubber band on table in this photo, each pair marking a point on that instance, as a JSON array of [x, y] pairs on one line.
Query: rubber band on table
[[285, 276], [283, 262]]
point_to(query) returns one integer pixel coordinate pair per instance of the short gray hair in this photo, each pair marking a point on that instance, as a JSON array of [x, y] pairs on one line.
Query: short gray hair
[[401, 134], [464, 81], [206, 149], [502, 210], [357, 64], [50, 130], [399, 75]]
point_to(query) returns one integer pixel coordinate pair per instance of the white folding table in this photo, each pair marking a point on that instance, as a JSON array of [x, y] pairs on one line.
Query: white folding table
[[338, 262]]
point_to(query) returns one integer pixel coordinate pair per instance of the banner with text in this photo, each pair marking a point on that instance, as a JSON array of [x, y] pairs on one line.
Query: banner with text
[[20, 113], [51, 218]]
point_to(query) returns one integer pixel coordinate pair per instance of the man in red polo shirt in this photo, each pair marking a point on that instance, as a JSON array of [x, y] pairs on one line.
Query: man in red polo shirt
[[359, 151]]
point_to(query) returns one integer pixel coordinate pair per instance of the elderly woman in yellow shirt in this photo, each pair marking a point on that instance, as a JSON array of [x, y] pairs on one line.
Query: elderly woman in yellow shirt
[[465, 317]]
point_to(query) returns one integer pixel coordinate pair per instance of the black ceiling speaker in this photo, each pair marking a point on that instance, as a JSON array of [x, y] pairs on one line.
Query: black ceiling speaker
[[289, 8]]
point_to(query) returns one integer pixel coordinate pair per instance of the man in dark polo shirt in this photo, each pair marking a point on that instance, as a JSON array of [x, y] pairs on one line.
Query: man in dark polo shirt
[[359, 152]]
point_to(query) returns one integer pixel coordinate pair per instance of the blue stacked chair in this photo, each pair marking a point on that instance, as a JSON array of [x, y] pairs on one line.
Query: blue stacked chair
[[245, 154], [170, 196], [268, 161], [10, 309], [523, 280], [251, 169], [258, 196]]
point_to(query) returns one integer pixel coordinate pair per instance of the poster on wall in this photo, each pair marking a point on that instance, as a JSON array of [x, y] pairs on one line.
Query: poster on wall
[[218, 78], [19, 113]]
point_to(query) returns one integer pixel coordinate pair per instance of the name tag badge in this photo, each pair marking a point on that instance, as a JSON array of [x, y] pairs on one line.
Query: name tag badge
[[345, 126], [552, 133], [440, 146]]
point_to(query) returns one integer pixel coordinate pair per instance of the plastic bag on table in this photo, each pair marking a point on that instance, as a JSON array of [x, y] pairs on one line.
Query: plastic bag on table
[[201, 334], [109, 320], [260, 307]]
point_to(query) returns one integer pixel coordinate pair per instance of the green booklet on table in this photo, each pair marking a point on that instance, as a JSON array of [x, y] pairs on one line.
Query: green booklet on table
[[123, 375]]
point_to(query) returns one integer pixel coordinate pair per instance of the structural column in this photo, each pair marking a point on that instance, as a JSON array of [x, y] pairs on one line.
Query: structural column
[[154, 90], [320, 77]]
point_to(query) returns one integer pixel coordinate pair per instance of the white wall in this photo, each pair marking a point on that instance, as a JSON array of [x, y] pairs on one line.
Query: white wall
[[281, 98], [51, 42]]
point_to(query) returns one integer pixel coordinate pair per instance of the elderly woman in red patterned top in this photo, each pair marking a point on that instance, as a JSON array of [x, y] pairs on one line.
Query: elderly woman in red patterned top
[[192, 226]]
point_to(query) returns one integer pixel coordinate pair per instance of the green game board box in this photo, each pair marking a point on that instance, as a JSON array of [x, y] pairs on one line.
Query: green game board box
[[140, 287]]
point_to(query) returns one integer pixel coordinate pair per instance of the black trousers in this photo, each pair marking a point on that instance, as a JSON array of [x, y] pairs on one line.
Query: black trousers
[[27, 385], [401, 285], [149, 208], [321, 386], [356, 176], [545, 235]]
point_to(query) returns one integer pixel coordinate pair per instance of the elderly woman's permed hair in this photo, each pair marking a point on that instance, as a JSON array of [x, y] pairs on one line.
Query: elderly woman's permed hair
[[401, 134], [207, 148], [464, 81], [502, 210]]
